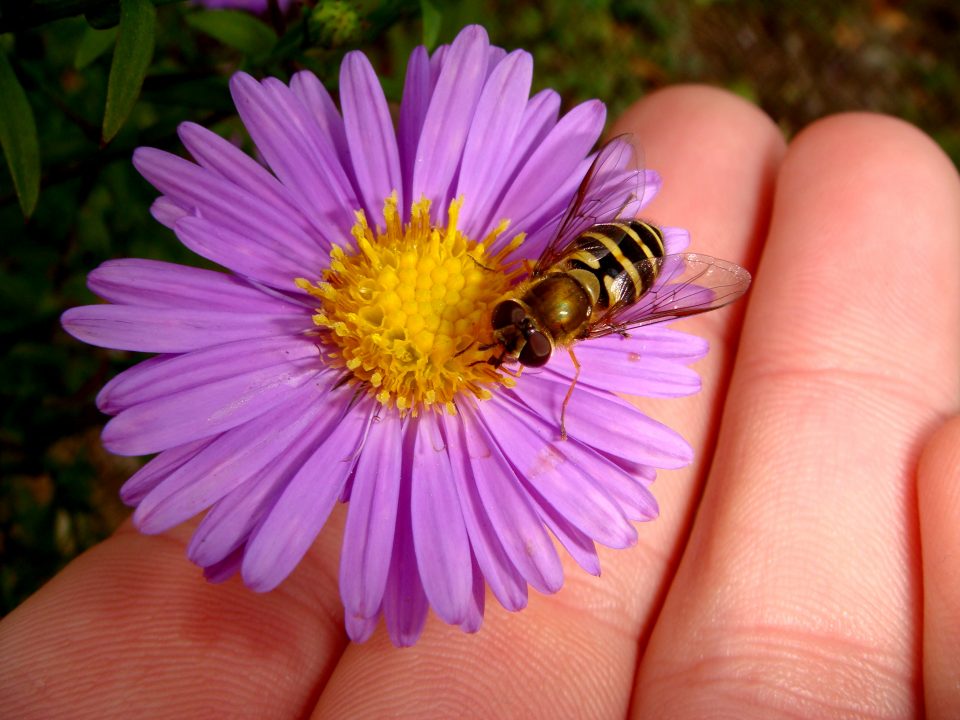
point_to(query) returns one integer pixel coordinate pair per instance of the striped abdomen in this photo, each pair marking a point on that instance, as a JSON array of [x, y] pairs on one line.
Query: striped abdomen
[[611, 253]]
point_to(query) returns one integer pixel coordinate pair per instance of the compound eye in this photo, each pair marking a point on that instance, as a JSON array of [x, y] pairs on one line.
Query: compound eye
[[537, 350], [506, 314]]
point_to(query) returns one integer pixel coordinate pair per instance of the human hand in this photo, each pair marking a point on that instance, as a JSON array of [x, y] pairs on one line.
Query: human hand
[[784, 575]]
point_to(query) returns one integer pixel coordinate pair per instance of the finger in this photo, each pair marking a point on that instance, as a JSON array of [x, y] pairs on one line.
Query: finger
[[133, 621], [938, 486], [799, 591], [719, 181], [574, 654]]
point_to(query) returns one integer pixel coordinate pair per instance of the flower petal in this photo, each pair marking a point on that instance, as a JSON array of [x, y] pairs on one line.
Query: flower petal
[[675, 239], [230, 522], [577, 544], [370, 135], [554, 161], [225, 464], [404, 601], [233, 165], [171, 330], [495, 56], [656, 341], [225, 569], [293, 523], [298, 152], [153, 283], [626, 371], [323, 110], [371, 520], [561, 474], [157, 470], [417, 89], [448, 118], [439, 535], [474, 618], [543, 221], [264, 263], [491, 136], [167, 211], [504, 579], [360, 629], [604, 422], [227, 205], [540, 115], [206, 410], [508, 505]]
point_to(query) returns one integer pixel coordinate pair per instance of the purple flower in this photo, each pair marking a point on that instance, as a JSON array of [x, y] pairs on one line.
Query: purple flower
[[342, 356], [254, 6]]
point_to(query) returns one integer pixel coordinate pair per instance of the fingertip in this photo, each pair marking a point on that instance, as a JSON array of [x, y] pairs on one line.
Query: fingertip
[[698, 118], [867, 207], [883, 145]]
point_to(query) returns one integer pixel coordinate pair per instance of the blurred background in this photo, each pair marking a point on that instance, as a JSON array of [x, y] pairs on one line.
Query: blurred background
[[70, 199]]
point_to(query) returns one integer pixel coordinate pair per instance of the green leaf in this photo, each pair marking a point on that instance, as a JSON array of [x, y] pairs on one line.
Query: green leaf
[[92, 45], [18, 137], [131, 59], [236, 29], [432, 20]]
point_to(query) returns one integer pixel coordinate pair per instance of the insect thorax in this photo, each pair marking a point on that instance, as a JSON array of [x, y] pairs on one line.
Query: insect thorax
[[560, 305]]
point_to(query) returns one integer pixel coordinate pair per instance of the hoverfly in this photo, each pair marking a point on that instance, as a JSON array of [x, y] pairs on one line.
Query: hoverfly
[[605, 272]]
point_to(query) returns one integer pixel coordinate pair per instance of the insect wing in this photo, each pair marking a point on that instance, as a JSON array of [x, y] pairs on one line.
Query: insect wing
[[612, 187], [686, 284]]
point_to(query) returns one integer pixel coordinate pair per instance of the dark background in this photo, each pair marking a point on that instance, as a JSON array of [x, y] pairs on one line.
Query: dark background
[[58, 493]]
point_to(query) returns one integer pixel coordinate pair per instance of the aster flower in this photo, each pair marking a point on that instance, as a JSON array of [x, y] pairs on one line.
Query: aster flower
[[255, 6], [343, 355]]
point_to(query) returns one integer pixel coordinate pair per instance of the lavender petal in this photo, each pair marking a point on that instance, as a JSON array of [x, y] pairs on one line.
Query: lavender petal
[[448, 118], [167, 375], [508, 505], [417, 89], [370, 135], [439, 535], [405, 604], [289, 529], [505, 581], [172, 330], [371, 520], [225, 464], [604, 422], [491, 136], [207, 410], [227, 205], [153, 283], [157, 470]]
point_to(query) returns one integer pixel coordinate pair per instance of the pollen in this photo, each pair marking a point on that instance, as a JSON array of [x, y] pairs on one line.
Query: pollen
[[407, 313]]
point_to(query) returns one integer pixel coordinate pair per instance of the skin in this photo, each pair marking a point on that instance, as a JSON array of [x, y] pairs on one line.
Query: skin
[[806, 565]]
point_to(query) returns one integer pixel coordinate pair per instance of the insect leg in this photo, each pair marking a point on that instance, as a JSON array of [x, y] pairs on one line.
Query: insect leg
[[566, 400]]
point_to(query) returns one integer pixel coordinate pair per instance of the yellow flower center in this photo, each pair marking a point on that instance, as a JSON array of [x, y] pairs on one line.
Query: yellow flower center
[[408, 314]]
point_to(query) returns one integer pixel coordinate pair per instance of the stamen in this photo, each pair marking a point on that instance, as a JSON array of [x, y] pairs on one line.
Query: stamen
[[408, 312]]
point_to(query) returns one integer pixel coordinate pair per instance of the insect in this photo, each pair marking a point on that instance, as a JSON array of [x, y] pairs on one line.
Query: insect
[[604, 272]]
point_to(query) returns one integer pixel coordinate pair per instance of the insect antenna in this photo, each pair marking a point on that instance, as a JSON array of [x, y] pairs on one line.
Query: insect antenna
[[480, 264], [470, 345]]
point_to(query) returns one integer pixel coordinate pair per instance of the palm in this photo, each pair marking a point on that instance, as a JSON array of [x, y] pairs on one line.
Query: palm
[[784, 575]]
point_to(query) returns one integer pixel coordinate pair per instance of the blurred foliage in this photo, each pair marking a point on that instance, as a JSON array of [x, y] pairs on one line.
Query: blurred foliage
[[58, 494]]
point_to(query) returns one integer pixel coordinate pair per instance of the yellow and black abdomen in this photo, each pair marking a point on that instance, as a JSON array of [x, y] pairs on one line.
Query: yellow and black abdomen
[[614, 254]]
